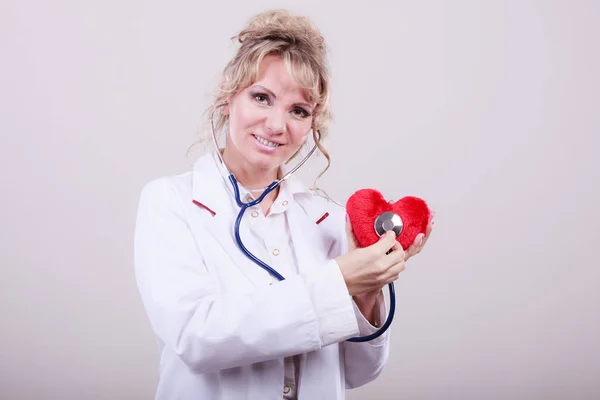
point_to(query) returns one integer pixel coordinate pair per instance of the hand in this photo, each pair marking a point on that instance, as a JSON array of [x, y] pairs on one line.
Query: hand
[[368, 298], [370, 268], [366, 301], [419, 242]]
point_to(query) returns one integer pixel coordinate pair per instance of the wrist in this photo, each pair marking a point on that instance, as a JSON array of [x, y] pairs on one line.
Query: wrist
[[367, 304], [367, 298]]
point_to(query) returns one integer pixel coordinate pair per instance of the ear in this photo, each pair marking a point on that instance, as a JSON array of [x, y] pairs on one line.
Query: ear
[[225, 109]]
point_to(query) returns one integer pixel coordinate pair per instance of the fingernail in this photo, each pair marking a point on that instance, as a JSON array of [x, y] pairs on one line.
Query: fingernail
[[346, 217]]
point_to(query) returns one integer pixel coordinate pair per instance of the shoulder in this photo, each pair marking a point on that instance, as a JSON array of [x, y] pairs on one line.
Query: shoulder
[[325, 212], [166, 190], [182, 184], [330, 218], [332, 211]]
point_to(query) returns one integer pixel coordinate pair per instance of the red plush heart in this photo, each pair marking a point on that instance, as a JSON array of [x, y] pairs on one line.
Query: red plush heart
[[364, 206]]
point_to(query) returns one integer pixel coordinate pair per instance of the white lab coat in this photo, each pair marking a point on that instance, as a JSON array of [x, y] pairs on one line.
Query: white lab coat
[[222, 323]]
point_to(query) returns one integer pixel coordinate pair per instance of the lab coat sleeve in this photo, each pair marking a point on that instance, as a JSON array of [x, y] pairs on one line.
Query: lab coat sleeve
[[364, 361], [212, 330]]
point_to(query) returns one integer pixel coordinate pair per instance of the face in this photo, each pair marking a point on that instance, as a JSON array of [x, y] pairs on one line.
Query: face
[[269, 120]]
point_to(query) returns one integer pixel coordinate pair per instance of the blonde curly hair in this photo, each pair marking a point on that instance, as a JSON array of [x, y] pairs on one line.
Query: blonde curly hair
[[300, 44]]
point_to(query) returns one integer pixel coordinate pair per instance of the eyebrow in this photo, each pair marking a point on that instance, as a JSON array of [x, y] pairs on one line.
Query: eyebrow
[[275, 97]]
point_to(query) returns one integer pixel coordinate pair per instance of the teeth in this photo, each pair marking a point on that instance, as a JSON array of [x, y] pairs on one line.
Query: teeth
[[266, 142]]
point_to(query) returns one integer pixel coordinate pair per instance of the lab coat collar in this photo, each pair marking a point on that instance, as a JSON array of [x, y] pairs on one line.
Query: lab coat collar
[[212, 188]]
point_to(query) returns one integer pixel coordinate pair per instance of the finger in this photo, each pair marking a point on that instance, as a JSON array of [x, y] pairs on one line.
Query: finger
[[352, 241], [419, 243], [416, 246], [426, 237], [386, 242], [427, 233], [395, 271], [397, 254], [430, 225]]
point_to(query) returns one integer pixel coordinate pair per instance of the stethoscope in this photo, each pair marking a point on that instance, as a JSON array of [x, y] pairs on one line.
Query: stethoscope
[[386, 221]]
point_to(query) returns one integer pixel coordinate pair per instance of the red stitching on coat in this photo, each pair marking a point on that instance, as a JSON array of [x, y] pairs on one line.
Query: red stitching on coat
[[322, 218], [206, 208]]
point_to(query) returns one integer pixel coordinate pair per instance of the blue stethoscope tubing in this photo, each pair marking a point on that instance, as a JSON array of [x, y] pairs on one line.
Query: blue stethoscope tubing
[[244, 206], [238, 221]]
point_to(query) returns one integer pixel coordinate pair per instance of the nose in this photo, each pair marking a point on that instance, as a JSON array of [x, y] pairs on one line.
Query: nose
[[275, 122]]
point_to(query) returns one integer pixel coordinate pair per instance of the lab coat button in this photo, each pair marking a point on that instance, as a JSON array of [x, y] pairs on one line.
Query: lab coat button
[[254, 214], [284, 203], [276, 252], [286, 389]]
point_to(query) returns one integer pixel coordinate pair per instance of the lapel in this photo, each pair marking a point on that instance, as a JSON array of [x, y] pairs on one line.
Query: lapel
[[212, 192]]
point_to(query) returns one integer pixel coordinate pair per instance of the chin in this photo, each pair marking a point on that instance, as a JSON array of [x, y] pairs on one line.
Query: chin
[[264, 161]]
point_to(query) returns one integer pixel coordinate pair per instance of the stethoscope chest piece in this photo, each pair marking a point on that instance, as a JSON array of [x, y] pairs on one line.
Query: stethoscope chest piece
[[388, 221]]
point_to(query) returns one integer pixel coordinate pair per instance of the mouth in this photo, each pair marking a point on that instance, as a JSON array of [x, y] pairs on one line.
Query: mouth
[[267, 143]]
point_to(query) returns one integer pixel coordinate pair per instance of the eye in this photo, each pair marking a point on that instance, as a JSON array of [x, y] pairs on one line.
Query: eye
[[261, 98], [301, 112]]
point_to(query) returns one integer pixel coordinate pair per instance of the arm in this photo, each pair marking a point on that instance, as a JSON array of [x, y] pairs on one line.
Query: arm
[[366, 303], [210, 329], [363, 362]]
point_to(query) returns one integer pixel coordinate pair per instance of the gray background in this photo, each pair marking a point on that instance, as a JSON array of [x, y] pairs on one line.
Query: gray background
[[488, 110]]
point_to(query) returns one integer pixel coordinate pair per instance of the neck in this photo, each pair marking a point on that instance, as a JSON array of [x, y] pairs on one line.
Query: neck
[[247, 175], [252, 177]]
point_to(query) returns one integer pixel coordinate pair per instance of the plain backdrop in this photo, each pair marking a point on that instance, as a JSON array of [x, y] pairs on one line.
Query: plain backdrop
[[486, 109]]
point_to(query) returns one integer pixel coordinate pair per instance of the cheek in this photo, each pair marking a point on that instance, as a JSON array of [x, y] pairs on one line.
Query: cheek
[[241, 118], [301, 132]]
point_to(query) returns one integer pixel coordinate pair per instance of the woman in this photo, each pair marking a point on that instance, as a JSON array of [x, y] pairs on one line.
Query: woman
[[226, 328]]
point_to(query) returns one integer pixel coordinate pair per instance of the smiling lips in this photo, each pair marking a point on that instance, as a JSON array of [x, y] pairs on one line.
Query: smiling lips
[[266, 142]]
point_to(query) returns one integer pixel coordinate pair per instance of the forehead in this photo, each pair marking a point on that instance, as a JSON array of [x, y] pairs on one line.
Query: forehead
[[274, 74]]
